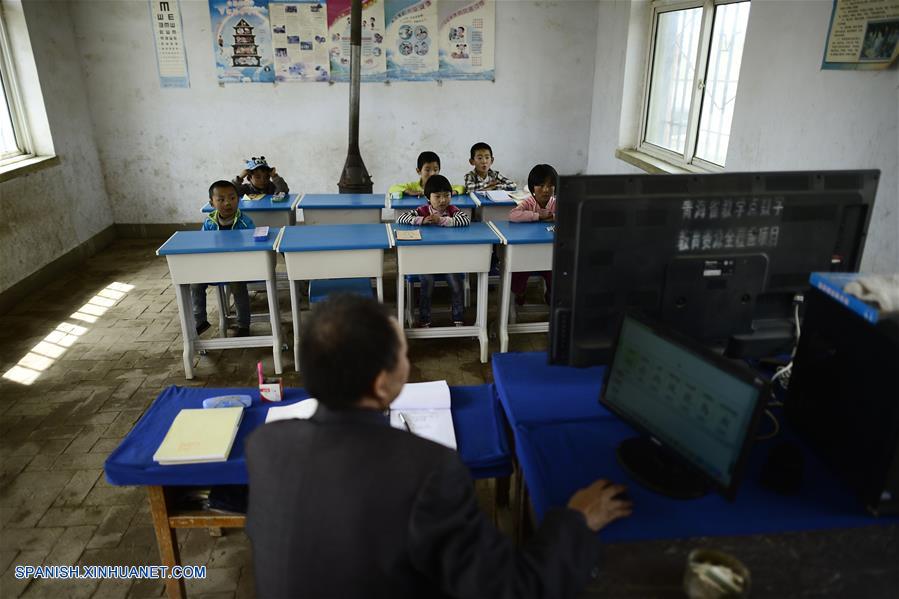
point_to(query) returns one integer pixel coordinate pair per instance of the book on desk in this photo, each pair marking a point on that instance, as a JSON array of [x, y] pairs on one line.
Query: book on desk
[[198, 436], [424, 410]]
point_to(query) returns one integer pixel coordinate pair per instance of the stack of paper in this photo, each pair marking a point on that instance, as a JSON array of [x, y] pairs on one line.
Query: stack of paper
[[302, 410], [426, 409], [499, 195], [199, 435]]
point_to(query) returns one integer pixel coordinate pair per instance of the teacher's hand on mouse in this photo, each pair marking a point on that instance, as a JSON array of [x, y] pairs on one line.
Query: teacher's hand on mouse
[[599, 503]]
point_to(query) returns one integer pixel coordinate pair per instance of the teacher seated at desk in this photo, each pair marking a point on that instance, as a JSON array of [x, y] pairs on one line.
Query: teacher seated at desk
[[343, 505]]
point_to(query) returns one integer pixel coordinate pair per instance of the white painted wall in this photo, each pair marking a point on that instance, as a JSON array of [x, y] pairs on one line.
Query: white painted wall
[[48, 213], [792, 115], [789, 115], [160, 149]]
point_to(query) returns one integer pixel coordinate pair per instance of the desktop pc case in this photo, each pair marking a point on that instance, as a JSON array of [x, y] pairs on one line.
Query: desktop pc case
[[843, 398]]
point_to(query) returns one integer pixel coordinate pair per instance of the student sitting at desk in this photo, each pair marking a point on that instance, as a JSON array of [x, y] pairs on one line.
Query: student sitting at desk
[[484, 178], [540, 206], [360, 509], [226, 216], [440, 212], [428, 165], [259, 178]]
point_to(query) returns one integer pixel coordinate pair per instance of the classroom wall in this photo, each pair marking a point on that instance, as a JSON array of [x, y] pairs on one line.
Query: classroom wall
[[160, 148], [789, 115], [50, 212]]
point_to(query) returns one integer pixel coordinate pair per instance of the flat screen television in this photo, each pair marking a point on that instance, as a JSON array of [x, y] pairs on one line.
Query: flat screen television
[[723, 258]]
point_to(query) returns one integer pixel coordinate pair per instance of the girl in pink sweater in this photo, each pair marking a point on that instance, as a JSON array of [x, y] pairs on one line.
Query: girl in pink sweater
[[541, 206]]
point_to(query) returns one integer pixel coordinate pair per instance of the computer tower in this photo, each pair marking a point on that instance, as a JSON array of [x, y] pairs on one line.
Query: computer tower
[[843, 398]]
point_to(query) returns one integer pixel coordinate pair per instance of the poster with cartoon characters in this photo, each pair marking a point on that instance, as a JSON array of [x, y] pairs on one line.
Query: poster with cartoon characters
[[466, 38], [374, 60], [412, 44], [299, 37], [242, 41]]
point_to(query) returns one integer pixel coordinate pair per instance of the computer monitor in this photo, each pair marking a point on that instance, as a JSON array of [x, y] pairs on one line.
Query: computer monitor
[[698, 411], [722, 257]]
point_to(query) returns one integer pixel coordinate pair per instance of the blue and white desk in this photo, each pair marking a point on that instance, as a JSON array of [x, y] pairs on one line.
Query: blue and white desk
[[265, 212], [492, 210], [407, 203], [331, 252], [221, 257], [564, 440], [528, 248], [340, 208], [441, 250]]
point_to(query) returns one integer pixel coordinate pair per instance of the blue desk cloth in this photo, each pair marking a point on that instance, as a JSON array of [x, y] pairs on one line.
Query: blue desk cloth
[[476, 416], [333, 237], [412, 202], [320, 289], [263, 204], [525, 233], [335, 201], [214, 242], [564, 440], [485, 200], [475, 233]]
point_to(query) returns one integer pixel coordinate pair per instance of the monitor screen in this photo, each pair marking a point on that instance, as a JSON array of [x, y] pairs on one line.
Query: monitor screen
[[698, 406], [719, 257]]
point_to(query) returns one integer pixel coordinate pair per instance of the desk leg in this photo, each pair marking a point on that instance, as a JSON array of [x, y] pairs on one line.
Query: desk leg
[[271, 290], [295, 299], [166, 540], [504, 299], [400, 300], [188, 327], [482, 314], [379, 287]]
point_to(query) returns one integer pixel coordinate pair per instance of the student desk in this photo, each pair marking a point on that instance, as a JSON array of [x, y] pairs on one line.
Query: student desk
[[197, 257], [476, 416], [340, 208], [265, 212], [331, 252], [493, 210], [564, 439], [407, 203], [441, 250], [528, 248]]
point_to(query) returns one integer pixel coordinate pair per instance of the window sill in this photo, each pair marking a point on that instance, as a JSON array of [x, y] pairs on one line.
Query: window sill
[[654, 165], [26, 166]]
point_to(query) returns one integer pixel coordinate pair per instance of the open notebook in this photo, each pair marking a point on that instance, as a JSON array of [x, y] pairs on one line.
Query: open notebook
[[426, 409], [199, 435]]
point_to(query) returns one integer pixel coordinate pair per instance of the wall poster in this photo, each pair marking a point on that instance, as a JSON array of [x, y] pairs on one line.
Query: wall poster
[[466, 38], [242, 41], [374, 60], [299, 36], [412, 44], [168, 33], [863, 34]]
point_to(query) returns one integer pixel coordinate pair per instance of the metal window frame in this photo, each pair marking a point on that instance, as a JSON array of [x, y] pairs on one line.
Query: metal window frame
[[688, 159], [14, 103]]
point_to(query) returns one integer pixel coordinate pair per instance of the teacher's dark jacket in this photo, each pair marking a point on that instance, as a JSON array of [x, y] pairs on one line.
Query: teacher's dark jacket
[[342, 505]]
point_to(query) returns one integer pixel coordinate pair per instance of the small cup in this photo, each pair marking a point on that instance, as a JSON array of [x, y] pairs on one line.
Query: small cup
[[700, 587]]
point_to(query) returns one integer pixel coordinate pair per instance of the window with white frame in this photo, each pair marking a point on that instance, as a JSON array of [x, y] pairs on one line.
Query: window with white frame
[[15, 142], [694, 65]]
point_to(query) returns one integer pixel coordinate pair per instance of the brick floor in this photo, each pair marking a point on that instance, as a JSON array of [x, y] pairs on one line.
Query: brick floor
[[56, 508]]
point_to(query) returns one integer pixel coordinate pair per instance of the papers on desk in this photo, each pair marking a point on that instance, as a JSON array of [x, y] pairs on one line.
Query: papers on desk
[[197, 436], [414, 235], [426, 409], [252, 197], [302, 410], [499, 195]]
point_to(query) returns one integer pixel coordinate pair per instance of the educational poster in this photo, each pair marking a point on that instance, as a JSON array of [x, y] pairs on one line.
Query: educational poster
[[863, 34], [374, 60], [412, 44], [299, 32], [466, 38], [242, 41], [171, 60]]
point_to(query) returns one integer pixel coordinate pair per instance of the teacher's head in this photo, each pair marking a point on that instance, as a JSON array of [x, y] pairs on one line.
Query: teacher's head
[[353, 353]]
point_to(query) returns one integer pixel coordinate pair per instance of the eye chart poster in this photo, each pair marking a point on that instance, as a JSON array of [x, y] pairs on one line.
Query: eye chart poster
[[242, 41], [299, 32], [466, 38], [374, 60], [171, 60], [412, 44]]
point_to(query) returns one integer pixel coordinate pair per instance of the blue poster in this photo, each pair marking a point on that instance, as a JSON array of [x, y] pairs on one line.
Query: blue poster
[[242, 41], [412, 40]]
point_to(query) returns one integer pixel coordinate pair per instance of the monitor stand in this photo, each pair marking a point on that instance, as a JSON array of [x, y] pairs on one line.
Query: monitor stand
[[658, 471]]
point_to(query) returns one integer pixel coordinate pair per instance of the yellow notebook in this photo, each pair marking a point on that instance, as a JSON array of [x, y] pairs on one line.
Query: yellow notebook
[[199, 435]]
